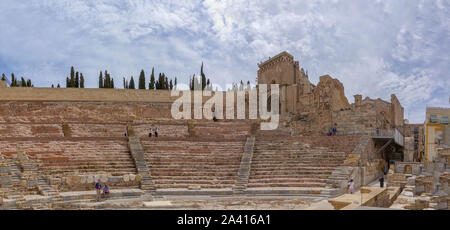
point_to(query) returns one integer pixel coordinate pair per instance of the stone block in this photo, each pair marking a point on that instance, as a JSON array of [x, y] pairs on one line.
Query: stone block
[[138, 177], [194, 187], [411, 181], [104, 178], [115, 179]]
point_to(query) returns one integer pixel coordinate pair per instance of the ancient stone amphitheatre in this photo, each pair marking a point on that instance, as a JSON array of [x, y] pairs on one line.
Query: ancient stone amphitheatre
[[56, 142]]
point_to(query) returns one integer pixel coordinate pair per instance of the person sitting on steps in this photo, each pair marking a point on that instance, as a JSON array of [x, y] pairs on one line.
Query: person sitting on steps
[[106, 192]]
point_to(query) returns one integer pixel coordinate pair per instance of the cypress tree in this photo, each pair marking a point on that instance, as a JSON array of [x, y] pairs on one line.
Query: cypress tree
[[193, 82], [81, 81], [107, 81], [175, 86], [166, 82], [124, 83], [53, 86], [142, 80], [151, 85], [100, 80], [170, 84], [72, 74], [157, 83], [3, 77], [112, 83], [29, 83], [58, 86], [23, 83], [13, 80], [203, 77], [77, 80], [72, 80], [131, 83], [67, 82]]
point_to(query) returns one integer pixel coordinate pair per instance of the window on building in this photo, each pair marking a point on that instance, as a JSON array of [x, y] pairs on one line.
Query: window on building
[[433, 118], [444, 120], [416, 130]]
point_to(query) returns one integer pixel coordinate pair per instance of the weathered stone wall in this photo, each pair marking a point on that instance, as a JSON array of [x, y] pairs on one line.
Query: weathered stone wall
[[83, 182], [409, 149], [414, 168], [85, 112], [416, 131], [397, 112], [30, 130], [84, 94], [329, 94]]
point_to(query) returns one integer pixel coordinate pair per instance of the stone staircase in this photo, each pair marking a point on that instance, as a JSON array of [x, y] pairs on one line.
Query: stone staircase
[[244, 170], [138, 155], [29, 168], [13, 185]]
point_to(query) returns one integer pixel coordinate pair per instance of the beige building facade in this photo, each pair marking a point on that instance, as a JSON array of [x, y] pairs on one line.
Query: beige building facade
[[437, 131]]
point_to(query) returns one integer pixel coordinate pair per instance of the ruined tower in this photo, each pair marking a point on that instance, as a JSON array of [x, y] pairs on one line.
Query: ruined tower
[[284, 70]]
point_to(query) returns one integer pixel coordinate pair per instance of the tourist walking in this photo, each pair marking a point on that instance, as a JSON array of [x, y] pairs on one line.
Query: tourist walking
[[334, 130], [381, 182], [351, 186], [214, 115], [156, 132], [98, 187], [150, 133]]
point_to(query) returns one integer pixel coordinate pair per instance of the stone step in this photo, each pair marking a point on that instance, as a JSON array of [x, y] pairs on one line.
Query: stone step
[[270, 184]]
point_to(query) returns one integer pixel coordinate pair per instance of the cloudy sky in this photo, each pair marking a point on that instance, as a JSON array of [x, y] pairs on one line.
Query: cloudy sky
[[374, 47]]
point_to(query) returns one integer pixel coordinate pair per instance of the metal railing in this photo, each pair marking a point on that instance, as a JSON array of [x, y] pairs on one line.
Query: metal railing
[[393, 133], [383, 133]]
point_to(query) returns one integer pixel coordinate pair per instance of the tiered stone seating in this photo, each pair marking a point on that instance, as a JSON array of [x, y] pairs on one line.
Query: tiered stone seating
[[30, 130], [71, 156], [164, 130], [97, 130], [180, 164], [297, 161], [223, 130]]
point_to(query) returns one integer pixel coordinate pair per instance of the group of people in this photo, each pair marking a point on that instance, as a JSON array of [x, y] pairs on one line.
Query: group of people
[[99, 187], [332, 131], [149, 134], [156, 132]]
